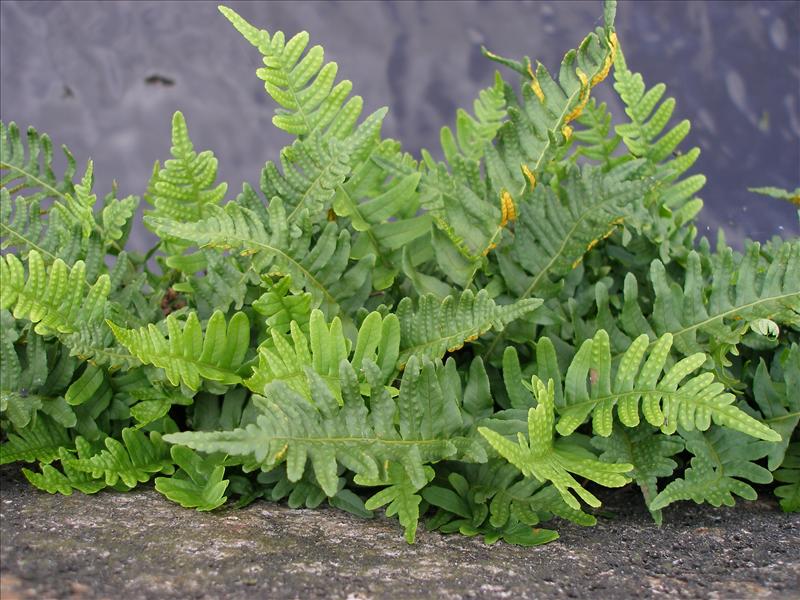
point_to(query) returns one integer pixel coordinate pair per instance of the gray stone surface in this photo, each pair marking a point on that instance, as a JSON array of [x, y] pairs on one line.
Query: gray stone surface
[[139, 545]]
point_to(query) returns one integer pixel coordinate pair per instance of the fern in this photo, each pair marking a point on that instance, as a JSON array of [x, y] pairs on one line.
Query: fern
[[182, 189], [53, 481], [197, 484], [722, 460], [321, 266], [789, 475], [303, 87], [189, 356], [438, 326], [293, 429], [41, 441], [538, 457]]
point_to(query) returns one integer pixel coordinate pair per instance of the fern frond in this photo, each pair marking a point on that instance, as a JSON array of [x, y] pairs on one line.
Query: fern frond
[[668, 401], [34, 173], [714, 311], [648, 451], [436, 326], [539, 123], [187, 355], [53, 481], [129, 462], [781, 194], [198, 482], [321, 266], [280, 307], [789, 475], [55, 299], [303, 86], [40, 441], [537, 456], [323, 350], [722, 460], [293, 429], [183, 189]]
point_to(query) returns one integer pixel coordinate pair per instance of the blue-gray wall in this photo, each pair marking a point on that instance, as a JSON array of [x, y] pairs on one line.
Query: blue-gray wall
[[78, 71]]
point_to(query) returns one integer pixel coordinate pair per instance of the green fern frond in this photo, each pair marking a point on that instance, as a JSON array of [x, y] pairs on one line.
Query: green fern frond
[[34, 173], [198, 482], [303, 87], [436, 326], [539, 123], [53, 481], [789, 475], [40, 441], [713, 312], [281, 307], [781, 194], [400, 493], [55, 299], [321, 266], [323, 349], [592, 387], [648, 451], [189, 356], [129, 462], [537, 456], [293, 429], [722, 460], [183, 189]]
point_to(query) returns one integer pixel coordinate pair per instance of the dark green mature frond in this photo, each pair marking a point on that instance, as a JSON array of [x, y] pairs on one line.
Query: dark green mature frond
[[722, 460], [322, 350], [303, 87], [557, 227], [189, 356], [648, 451], [359, 436], [436, 326], [539, 123], [789, 475], [183, 189], [713, 311], [322, 265], [668, 398], [537, 456]]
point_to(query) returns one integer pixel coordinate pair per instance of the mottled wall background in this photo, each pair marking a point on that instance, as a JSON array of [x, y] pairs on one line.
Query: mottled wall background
[[83, 72]]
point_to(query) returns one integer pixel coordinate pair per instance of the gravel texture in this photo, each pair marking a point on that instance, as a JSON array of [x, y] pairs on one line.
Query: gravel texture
[[139, 545]]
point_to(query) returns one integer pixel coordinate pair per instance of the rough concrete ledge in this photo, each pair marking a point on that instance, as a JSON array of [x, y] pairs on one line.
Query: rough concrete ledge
[[139, 545]]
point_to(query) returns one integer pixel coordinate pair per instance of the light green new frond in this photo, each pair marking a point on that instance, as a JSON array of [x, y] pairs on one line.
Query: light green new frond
[[536, 456], [78, 208], [789, 475], [129, 462], [670, 396], [302, 85], [647, 450], [714, 309], [183, 189], [40, 441], [198, 483], [188, 355], [55, 299], [323, 349], [436, 326], [321, 266], [33, 173], [722, 460]]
